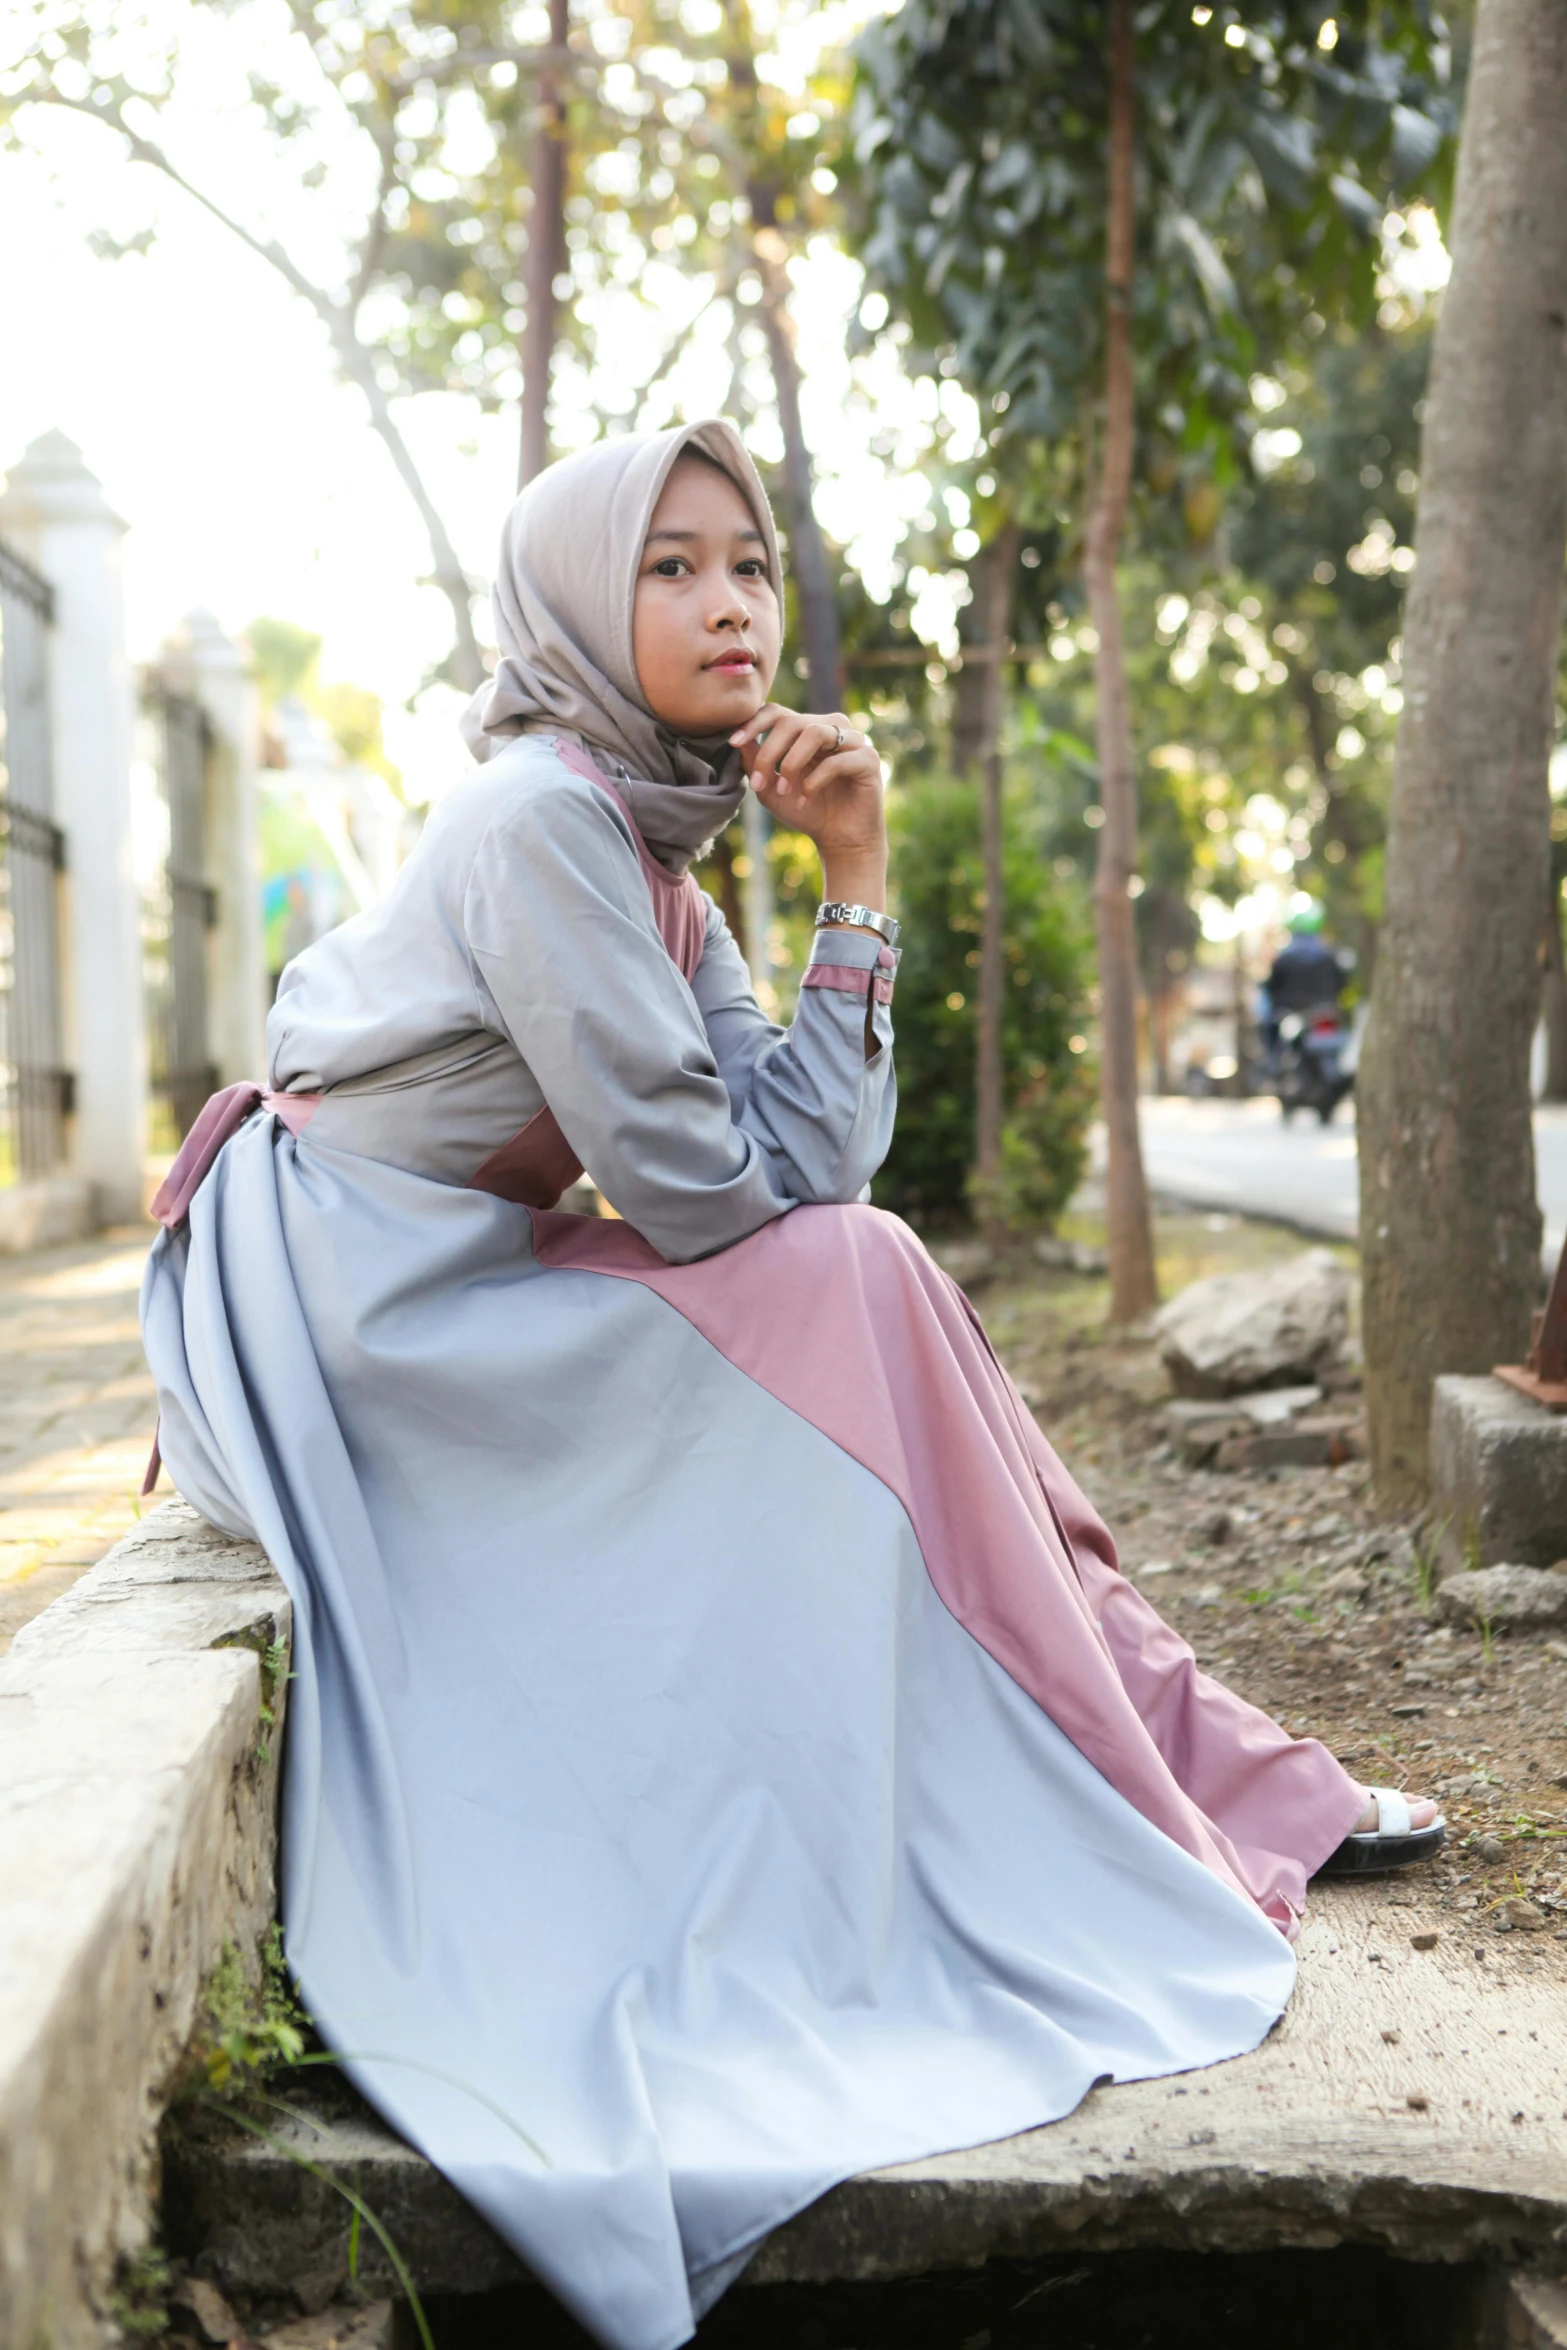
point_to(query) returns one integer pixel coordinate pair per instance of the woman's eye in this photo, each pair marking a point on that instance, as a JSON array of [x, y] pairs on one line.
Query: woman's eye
[[751, 567], [668, 567]]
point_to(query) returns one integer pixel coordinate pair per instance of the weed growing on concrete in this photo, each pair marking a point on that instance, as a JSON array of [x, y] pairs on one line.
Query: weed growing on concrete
[[139, 2304], [253, 2031]]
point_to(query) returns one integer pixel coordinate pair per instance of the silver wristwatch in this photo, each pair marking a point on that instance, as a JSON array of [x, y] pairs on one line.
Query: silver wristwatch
[[859, 918]]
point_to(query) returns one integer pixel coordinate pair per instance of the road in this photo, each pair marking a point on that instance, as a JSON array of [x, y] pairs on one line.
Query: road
[[1241, 1156]]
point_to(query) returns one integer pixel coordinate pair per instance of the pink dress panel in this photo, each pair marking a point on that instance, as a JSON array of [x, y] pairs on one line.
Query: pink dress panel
[[841, 1314]]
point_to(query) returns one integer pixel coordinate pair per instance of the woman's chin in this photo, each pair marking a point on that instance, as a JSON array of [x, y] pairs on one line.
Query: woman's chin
[[720, 711]]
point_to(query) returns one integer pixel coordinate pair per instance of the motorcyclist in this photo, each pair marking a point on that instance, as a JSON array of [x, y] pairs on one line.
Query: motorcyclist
[[1306, 975]]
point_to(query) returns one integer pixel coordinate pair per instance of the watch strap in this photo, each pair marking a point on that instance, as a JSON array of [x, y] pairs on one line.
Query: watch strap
[[858, 918]]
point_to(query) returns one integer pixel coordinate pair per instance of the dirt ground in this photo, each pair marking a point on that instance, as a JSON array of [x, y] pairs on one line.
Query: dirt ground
[[1294, 1589]]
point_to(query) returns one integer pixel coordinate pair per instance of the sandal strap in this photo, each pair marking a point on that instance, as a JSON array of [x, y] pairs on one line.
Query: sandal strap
[[1394, 1817]]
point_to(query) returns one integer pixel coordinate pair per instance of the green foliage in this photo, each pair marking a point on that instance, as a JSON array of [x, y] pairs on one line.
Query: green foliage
[[1266, 161], [1048, 1086], [249, 2030], [139, 2303]]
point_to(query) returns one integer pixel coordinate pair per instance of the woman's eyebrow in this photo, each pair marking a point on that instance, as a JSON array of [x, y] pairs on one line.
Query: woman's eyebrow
[[686, 536]]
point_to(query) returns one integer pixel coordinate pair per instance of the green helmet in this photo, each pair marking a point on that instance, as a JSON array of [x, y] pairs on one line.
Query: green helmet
[[1306, 920]]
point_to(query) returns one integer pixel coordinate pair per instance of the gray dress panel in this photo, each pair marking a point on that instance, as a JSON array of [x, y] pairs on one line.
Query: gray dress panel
[[517, 962], [658, 1848]]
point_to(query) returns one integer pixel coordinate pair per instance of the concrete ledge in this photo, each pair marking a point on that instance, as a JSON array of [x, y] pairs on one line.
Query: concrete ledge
[[137, 1835], [45, 1213], [1412, 2100], [1498, 1477]]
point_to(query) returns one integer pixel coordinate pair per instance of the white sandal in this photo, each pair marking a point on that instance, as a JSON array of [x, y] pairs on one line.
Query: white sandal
[[1393, 1843]]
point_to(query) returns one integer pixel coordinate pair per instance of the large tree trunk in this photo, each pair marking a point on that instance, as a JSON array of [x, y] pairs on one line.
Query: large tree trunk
[[1134, 1286], [1553, 993], [813, 583], [976, 749], [1450, 1229], [546, 259]]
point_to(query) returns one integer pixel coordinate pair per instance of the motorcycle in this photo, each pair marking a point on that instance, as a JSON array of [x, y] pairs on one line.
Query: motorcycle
[[1311, 1066]]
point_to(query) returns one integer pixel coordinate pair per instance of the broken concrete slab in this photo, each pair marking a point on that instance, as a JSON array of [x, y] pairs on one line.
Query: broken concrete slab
[[137, 1838], [1317, 1441], [1506, 1598], [1498, 1477], [1411, 2099], [1237, 1332], [1198, 1426]]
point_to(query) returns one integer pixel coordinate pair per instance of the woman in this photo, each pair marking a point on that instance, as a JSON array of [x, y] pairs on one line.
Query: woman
[[723, 1756]]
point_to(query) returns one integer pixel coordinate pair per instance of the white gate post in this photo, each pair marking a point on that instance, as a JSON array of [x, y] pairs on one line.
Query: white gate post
[[204, 663], [55, 513]]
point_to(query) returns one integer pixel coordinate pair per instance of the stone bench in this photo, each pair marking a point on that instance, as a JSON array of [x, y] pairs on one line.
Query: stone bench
[[1412, 2099], [137, 1837]]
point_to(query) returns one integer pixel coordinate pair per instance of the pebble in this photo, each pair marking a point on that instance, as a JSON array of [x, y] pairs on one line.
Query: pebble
[[1491, 1848], [1424, 1941], [1213, 1526], [1520, 1914]]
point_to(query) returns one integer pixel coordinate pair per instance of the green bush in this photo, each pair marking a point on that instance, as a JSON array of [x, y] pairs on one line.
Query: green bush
[[1048, 1088]]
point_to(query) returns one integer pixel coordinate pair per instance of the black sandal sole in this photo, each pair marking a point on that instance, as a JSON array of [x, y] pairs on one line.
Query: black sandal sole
[[1378, 1856]]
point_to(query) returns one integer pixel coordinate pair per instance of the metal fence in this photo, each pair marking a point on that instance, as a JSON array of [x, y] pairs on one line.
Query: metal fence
[[35, 1090], [182, 911]]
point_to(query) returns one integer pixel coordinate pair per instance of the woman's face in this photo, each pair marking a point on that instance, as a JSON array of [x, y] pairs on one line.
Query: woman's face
[[706, 629]]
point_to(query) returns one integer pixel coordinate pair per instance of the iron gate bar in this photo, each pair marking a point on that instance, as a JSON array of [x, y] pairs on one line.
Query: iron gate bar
[[35, 1090]]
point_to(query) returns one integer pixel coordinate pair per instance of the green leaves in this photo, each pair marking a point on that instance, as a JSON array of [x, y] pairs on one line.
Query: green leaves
[[977, 177]]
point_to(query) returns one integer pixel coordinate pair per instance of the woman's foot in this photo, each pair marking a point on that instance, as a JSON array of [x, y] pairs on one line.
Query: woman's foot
[[1422, 1814], [1391, 1832]]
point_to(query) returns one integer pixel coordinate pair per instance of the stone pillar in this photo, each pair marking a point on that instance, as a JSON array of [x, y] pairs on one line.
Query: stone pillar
[[54, 512], [201, 661]]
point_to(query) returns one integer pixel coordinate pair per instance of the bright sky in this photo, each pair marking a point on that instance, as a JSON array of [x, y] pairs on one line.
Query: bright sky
[[201, 392]]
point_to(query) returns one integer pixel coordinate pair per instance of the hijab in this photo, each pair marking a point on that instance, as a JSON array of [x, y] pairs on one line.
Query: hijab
[[570, 553]]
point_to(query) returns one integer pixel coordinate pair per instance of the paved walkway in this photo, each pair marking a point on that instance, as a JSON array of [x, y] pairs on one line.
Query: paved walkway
[[76, 1415], [1242, 1156]]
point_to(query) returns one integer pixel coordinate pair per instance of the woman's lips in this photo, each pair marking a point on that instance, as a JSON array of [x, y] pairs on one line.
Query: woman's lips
[[736, 662]]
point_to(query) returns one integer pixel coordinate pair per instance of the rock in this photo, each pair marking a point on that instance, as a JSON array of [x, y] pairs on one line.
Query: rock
[[1071, 1256], [1348, 1583], [1317, 1442], [1199, 1427], [1504, 1597], [1521, 1915], [1425, 1941], [1241, 1331], [1498, 1477], [1213, 1526], [1491, 1849], [365, 2328], [207, 2306]]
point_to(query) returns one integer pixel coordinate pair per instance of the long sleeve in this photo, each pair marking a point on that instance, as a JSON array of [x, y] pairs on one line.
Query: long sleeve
[[819, 1096], [564, 946]]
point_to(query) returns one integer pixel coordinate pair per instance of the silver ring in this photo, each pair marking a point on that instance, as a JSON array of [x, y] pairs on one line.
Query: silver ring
[[839, 738]]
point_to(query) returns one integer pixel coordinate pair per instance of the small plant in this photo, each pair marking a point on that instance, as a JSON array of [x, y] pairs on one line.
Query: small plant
[[250, 2030], [139, 2303], [272, 1659], [1487, 1637]]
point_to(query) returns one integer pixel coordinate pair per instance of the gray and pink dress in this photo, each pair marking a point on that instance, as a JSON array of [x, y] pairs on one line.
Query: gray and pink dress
[[722, 1745]]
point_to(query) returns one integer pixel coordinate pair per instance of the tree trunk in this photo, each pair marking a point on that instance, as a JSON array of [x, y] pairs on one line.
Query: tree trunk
[[1553, 997], [546, 259], [807, 549], [1450, 1228], [1134, 1287], [976, 747], [813, 582]]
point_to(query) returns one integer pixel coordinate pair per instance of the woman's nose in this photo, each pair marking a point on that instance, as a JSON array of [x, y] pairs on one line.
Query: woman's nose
[[731, 613]]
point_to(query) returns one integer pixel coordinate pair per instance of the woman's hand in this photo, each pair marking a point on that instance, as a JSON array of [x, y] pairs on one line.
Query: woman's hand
[[821, 776]]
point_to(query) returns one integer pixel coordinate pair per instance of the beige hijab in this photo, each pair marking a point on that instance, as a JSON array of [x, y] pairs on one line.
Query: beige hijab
[[570, 552]]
